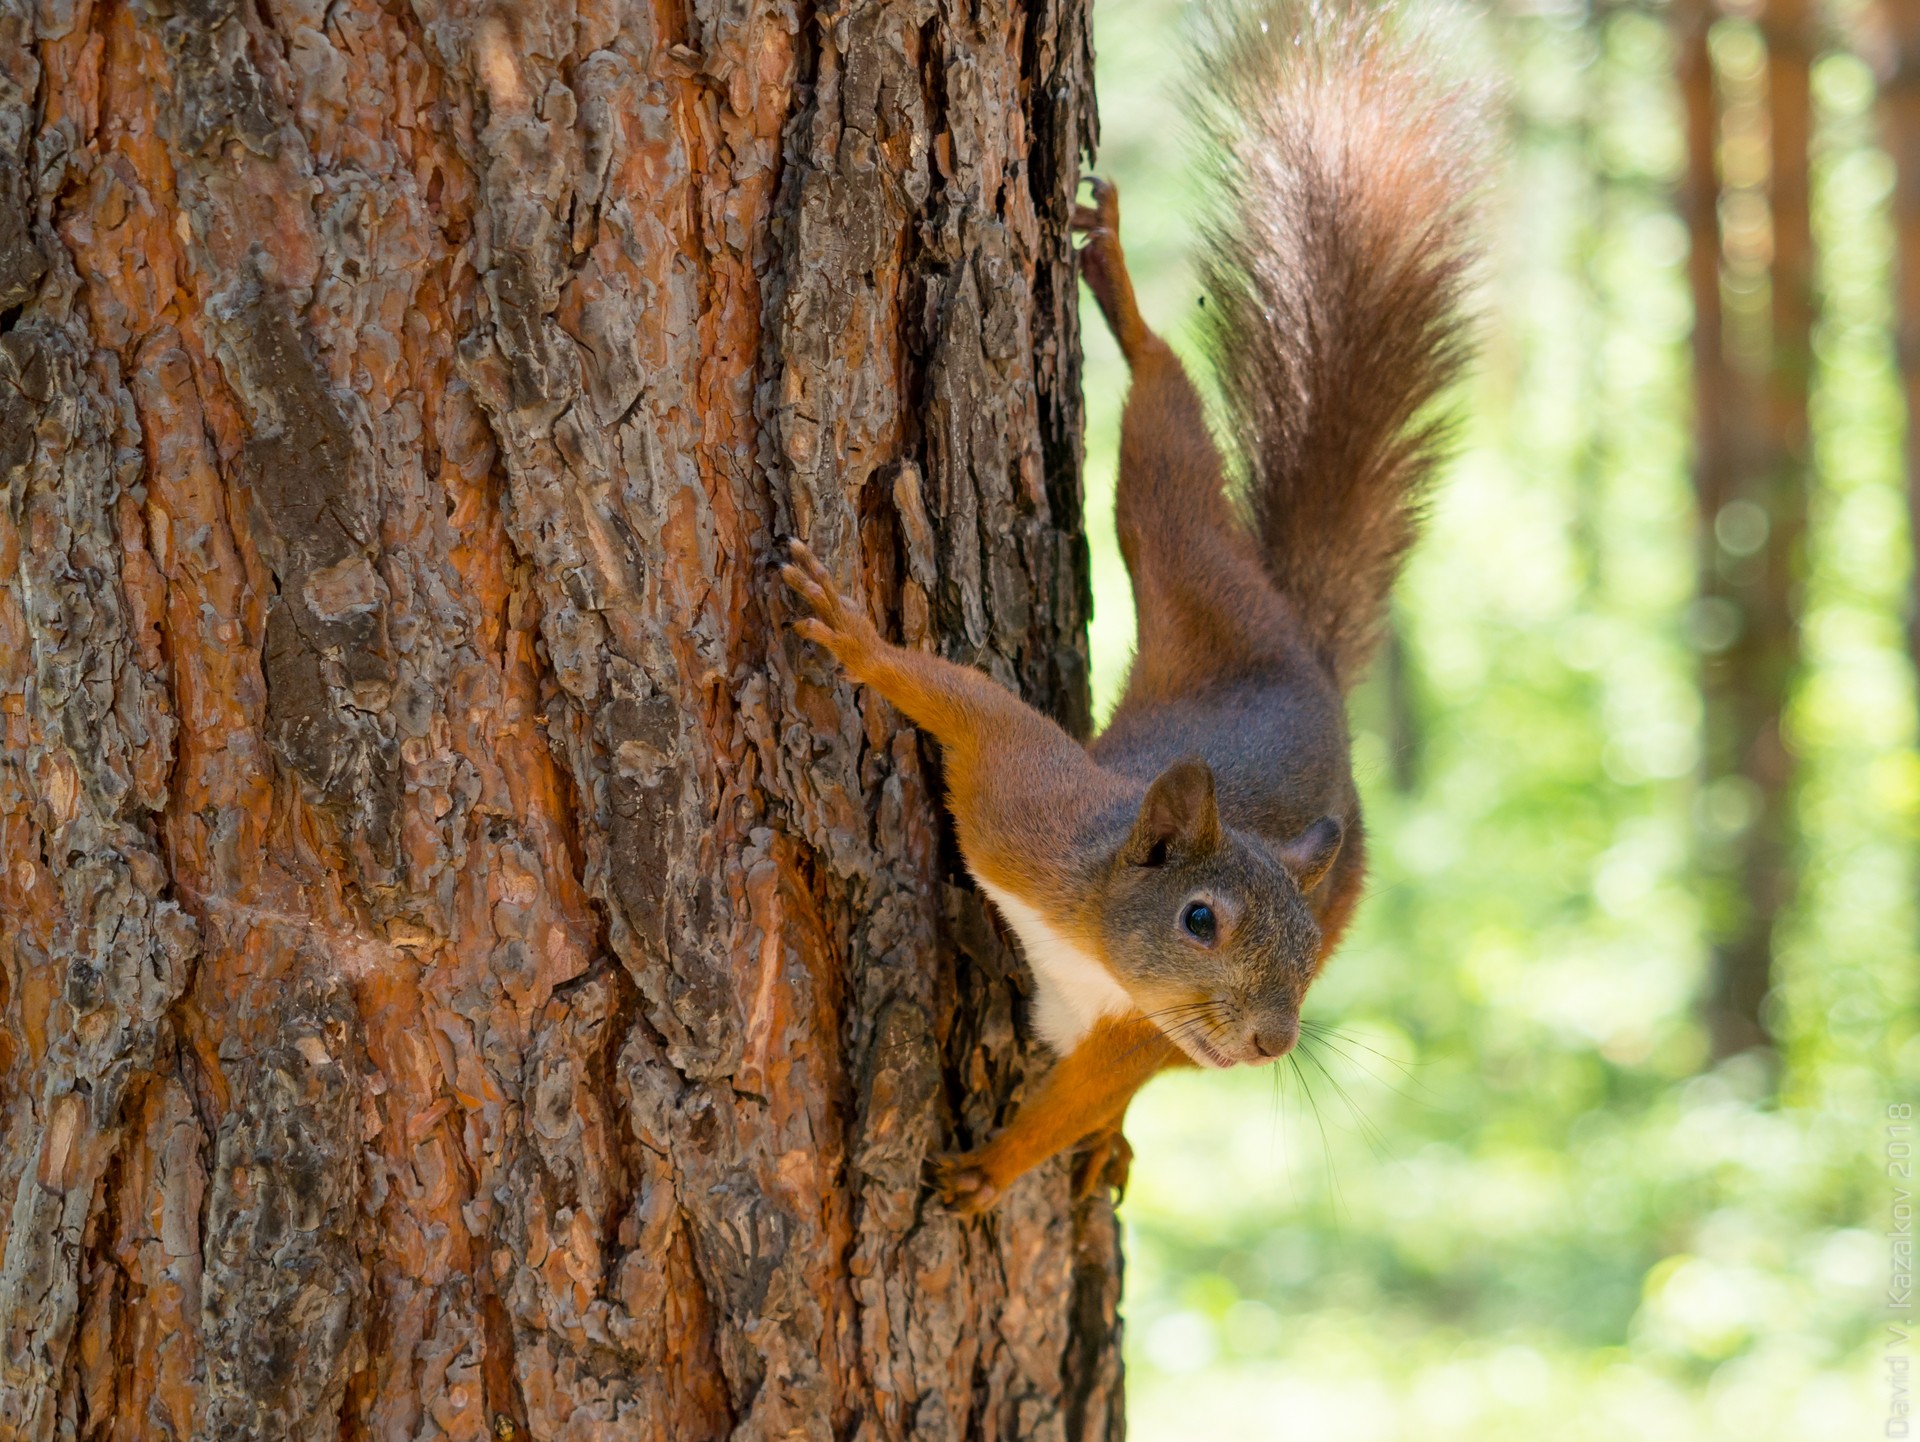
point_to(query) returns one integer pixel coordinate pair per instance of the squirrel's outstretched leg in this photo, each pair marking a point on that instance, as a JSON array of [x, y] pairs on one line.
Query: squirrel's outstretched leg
[[963, 709], [1015, 780], [1087, 1092]]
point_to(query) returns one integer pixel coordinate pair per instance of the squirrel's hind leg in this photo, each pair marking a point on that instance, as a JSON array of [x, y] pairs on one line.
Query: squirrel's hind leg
[[1205, 603]]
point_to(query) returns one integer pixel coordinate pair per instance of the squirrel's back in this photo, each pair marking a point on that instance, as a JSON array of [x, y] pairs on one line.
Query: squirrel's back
[[1335, 260]]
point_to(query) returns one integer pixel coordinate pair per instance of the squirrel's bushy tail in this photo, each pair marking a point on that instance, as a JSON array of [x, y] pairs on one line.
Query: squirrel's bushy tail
[[1335, 263]]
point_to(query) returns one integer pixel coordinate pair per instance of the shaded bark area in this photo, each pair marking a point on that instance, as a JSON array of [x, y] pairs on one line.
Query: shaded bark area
[[465, 969], [1750, 238]]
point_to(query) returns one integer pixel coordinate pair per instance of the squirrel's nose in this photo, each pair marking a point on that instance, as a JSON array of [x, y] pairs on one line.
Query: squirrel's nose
[[1271, 1039]]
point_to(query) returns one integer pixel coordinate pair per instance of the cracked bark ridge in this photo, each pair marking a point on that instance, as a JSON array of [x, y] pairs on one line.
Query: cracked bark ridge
[[282, 1340], [465, 970], [328, 661]]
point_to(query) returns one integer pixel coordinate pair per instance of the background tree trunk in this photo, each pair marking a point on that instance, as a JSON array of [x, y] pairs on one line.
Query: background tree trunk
[[1751, 374], [466, 970], [1900, 130], [1762, 550]]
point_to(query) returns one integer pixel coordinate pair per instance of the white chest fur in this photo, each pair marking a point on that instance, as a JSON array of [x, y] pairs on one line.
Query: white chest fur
[[1071, 990]]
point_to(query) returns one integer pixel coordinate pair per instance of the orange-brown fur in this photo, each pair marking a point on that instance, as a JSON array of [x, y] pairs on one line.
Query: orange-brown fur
[[1335, 270]]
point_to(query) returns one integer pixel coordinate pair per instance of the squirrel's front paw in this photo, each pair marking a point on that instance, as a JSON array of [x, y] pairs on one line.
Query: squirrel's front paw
[[963, 1184], [836, 623]]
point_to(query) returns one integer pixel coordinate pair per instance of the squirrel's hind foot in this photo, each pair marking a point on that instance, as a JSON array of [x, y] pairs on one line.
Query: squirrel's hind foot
[[1103, 216], [1103, 265]]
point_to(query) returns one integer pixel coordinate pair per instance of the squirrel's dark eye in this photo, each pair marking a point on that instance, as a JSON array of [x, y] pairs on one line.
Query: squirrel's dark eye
[[1198, 922]]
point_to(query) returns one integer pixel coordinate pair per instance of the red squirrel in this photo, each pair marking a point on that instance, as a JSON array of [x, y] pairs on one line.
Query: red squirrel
[[1178, 883]]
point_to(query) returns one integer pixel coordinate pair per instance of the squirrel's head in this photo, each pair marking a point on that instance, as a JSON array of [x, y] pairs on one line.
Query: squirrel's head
[[1210, 930]]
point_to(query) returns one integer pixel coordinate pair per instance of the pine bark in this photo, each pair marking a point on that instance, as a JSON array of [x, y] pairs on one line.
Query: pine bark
[[466, 970]]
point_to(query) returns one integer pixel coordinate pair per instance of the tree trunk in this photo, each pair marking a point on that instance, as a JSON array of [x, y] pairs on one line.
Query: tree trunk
[[1700, 201], [1763, 554], [1750, 472], [1900, 116], [466, 969]]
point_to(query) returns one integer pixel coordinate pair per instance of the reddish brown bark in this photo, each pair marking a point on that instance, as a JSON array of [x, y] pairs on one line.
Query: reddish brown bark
[[464, 969]]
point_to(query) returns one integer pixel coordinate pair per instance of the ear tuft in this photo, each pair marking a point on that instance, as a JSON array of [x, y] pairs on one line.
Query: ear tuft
[[1178, 816], [1311, 854]]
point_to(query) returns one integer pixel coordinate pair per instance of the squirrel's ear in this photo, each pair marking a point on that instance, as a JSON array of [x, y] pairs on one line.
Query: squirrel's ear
[[1178, 815], [1311, 854]]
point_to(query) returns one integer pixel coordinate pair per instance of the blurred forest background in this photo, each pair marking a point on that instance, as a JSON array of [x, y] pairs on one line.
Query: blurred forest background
[[1597, 1149]]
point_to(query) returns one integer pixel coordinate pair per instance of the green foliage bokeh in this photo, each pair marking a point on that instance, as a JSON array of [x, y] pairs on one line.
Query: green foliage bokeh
[[1509, 1198]]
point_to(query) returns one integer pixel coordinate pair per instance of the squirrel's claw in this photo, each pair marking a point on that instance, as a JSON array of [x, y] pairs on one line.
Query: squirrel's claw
[[966, 1188], [807, 576], [1104, 267]]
